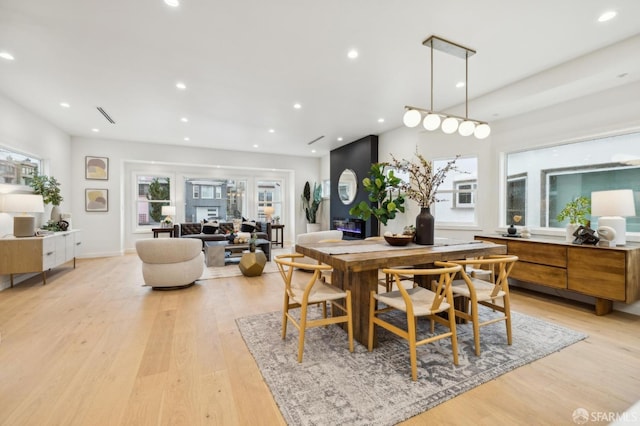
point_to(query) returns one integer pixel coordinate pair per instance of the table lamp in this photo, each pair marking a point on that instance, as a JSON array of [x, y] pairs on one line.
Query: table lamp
[[611, 207], [24, 225], [268, 211], [168, 212]]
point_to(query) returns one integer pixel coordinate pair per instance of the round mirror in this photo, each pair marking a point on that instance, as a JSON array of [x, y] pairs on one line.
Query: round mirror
[[347, 186]]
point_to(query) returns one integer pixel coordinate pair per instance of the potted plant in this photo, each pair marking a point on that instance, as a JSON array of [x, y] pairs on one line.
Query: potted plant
[[49, 188], [575, 211], [311, 201], [383, 188]]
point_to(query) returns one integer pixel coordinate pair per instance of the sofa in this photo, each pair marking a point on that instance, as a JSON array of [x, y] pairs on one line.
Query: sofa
[[168, 263], [208, 232]]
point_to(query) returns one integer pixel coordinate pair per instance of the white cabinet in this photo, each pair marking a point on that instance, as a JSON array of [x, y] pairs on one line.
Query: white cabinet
[[38, 254]]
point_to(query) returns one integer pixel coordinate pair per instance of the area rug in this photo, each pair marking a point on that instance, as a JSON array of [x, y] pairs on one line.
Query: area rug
[[334, 387], [231, 269]]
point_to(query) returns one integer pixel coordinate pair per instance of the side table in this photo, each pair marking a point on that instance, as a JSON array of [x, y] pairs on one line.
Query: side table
[[252, 263], [279, 231], [157, 231]]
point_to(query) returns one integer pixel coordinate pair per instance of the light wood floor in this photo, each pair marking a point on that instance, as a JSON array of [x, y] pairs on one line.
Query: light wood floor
[[93, 347]]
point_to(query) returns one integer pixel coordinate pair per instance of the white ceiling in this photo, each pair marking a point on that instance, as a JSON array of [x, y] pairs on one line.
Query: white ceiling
[[246, 62]]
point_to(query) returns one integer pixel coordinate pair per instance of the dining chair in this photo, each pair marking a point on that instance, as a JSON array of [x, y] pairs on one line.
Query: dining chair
[[478, 292], [418, 302], [303, 289], [386, 281]]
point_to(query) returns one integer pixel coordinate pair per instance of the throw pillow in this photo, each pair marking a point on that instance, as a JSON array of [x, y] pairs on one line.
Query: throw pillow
[[248, 226], [210, 227]]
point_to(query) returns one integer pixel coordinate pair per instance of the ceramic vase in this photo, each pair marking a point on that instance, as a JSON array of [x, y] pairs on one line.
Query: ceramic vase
[[55, 213], [424, 227], [571, 228]]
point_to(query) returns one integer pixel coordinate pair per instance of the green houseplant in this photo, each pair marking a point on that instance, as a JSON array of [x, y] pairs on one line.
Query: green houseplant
[[575, 212], [311, 200], [49, 188], [383, 188]]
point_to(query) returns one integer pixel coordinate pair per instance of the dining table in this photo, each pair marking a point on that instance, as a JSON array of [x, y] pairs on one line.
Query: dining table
[[356, 265]]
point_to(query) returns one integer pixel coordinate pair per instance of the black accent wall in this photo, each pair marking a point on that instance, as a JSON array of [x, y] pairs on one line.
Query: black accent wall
[[357, 156]]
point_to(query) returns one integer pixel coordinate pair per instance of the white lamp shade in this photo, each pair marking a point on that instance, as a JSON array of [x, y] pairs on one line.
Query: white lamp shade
[[482, 131], [168, 210], [612, 207], [466, 128], [618, 202], [431, 121], [450, 125], [22, 203], [412, 118], [269, 210]]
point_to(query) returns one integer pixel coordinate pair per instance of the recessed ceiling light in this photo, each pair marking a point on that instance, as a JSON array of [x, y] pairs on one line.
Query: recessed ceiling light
[[380, 120], [460, 84], [297, 106], [313, 151], [607, 16], [180, 85], [340, 139], [271, 131], [255, 145], [94, 130], [184, 119], [352, 54], [187, 139], [65, 105], [172, 3], [6, 55]]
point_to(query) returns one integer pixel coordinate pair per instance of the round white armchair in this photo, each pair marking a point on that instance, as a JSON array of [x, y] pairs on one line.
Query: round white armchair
[[169, 263]]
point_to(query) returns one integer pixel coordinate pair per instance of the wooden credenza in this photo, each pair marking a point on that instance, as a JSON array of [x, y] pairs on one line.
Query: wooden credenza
[[38, 254], [609, 274]]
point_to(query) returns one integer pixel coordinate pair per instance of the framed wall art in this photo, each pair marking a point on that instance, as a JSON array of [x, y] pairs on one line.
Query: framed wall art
[[96, 200], [96, 168]]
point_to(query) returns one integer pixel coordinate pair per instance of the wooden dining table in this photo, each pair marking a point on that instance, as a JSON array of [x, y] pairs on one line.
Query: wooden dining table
[[356, 264]]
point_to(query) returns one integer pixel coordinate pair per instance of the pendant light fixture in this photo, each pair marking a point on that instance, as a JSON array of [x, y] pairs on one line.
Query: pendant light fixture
[[449, 123]]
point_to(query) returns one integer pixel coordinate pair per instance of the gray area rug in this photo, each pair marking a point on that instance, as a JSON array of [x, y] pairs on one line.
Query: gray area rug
[[335, 387]]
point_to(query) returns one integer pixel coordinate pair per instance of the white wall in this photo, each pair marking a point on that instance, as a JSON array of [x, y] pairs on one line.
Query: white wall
[[111, 233], [24, 132]]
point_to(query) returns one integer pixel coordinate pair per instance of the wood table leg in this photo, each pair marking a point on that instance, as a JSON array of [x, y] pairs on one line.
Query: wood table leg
[[360, 284]]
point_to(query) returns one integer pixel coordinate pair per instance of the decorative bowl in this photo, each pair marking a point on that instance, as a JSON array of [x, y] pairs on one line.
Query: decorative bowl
[[398, 239]]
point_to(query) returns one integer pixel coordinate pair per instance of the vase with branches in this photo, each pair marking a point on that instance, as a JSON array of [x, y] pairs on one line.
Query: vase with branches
[[575, 212], [49, 188]]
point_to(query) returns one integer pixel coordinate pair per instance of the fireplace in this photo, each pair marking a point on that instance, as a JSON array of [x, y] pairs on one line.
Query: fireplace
[[352, 229]]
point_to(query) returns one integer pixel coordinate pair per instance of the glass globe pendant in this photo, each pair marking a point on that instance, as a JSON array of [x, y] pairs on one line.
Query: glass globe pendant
[[412, 118]]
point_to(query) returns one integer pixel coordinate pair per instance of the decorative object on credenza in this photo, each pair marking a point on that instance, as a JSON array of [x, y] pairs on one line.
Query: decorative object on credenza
[[585, 235], [422, 188], [575, 211], [607, 236], [23, 224], [49, 188], [96, 200], [525, 233], [612, 207], [450, 123], [512, 231], [96, 168]]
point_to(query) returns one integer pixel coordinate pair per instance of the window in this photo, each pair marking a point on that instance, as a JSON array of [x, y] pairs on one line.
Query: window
[[541, 181], [466, 194], [17, 168], [206, 192], [457, 194], [516, 199], [196, 191], [218, 190], [153, 192], [269, 195]]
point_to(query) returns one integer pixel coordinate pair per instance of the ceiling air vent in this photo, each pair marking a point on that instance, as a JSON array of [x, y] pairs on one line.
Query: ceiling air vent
[[103, 112], [315, 140]]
